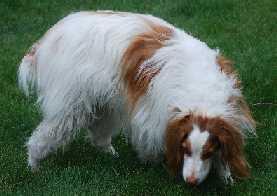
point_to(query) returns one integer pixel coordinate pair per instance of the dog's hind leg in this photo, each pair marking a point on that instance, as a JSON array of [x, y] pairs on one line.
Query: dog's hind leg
[[46, 138]]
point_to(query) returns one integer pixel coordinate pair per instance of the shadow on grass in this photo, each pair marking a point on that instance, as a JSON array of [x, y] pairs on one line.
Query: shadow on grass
[[81, 156]]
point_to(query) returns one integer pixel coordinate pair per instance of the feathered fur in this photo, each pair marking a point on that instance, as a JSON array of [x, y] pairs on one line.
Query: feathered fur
[[130, 70]]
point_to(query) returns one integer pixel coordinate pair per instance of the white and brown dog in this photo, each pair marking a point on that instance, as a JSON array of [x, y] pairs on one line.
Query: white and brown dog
[[110, 70]]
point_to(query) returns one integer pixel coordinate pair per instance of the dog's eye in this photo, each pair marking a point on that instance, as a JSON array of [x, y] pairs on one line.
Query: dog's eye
[[185, 145], [187, 152], [207, 155], [185, 137], [186, 148]]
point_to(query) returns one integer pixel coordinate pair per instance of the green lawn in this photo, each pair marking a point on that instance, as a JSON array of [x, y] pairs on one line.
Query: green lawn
[[244, 30]]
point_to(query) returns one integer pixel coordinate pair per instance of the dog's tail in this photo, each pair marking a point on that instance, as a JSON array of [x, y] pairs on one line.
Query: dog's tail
[[27, 72]]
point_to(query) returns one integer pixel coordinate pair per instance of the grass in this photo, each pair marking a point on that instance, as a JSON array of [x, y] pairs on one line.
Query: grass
[[245, 31]]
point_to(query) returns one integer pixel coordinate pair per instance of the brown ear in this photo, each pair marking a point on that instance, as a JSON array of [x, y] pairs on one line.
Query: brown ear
[[176, 133], [231, 144]]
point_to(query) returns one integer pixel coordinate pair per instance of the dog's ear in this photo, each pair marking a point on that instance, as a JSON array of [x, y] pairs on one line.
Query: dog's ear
[[231, 146], [176, 133]]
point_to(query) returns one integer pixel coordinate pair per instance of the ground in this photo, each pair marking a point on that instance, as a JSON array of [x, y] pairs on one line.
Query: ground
[[245, 31]]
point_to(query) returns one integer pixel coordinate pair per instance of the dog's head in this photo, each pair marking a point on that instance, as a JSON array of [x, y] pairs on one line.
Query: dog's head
[[194, 142]]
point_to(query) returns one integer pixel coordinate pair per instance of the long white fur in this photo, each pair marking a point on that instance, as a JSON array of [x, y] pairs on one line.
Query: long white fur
[[75, 71]]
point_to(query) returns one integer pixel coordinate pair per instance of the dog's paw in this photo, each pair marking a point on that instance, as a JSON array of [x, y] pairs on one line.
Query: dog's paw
[[33, 164], [110, 150]]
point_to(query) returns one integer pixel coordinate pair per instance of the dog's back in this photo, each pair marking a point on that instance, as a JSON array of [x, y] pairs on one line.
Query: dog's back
[[85, 49]]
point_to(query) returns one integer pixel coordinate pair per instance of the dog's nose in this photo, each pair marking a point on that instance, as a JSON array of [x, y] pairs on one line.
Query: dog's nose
[[192, 180]]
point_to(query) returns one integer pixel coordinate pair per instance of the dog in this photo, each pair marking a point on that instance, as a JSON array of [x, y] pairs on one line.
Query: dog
[[174, 97]]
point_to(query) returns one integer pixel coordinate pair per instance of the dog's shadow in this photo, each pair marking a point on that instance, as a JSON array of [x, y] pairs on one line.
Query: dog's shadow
[[81, 155]]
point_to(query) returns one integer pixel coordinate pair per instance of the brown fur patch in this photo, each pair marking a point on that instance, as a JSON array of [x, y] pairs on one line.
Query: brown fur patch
[[142, 48], [186, 147], [225, 64], [227, 67], [238, 101], [176, 142], [231, 145], [242, 107]]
